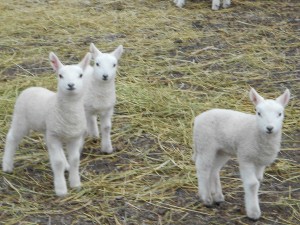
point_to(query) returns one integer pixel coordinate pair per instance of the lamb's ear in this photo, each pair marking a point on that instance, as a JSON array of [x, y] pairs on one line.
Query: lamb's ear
[[118, 52], [85, 61], [55, 63], [284, 98], [255, 97], [94, 50]]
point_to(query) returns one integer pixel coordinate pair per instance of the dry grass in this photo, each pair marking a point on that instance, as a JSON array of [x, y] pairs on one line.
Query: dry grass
[[177, 63]]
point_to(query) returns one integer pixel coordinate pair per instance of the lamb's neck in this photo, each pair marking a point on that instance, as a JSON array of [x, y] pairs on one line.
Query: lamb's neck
[[269, 142], [103, 87], [69, 105], [66, 117]]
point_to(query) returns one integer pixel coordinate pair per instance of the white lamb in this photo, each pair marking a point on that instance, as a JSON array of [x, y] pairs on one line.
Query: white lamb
[[215, 3], [60, 116], [254, 139], [100, 96]]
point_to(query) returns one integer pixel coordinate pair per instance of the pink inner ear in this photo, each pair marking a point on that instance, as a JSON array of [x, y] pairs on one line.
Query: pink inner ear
[[285, 99], [255, 99], [55, 64]]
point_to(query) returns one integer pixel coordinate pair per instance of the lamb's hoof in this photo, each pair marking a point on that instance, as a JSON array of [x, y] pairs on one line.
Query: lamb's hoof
[[254, 215], [75, 182], [9, 171], [218, 198], [208, 205], [77, 188], [61, 193], [208, 202], [107, 149], [7, 167], [225, 6], [215, 7]]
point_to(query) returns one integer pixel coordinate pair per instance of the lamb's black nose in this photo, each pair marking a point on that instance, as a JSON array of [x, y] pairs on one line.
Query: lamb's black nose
[[71, 85], [270, 128], [105, 77]]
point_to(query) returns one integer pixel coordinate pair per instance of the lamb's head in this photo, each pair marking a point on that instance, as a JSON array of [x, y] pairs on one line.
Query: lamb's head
[[105, 67], [269, 113], [70, 80]]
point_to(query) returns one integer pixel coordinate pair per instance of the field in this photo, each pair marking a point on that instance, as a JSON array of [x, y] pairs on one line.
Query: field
[[177, 63]]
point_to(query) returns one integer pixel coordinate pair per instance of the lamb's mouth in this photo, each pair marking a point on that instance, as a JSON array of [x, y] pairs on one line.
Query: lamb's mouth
[[269, 132], [70, 88]]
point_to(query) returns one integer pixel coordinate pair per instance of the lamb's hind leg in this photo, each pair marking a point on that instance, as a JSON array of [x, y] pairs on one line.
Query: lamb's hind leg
[[105, 118], [73, 149], [13, 138], [204, 167], [215, 183]]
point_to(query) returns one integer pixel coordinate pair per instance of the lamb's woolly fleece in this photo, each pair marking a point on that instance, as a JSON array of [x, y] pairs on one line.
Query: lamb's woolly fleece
[[254, 139], [100, 96], [60, 116]]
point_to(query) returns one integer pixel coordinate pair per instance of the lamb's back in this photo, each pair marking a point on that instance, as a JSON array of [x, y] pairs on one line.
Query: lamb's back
[[225, 128]]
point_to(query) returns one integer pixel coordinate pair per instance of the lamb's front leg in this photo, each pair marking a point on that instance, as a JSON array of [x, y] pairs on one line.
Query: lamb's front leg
[[215, 4], [74, 148], [251, 187], [226, 3], [179, 3], [105, 121], [58, 164]]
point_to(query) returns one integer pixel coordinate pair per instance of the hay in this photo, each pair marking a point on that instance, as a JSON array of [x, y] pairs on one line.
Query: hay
[[177, 63]]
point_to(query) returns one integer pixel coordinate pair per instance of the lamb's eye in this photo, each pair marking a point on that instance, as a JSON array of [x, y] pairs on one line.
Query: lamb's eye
[[279, 114], [80, 76], [258, 113], [60, 76], [114, 65], [97, 64]]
